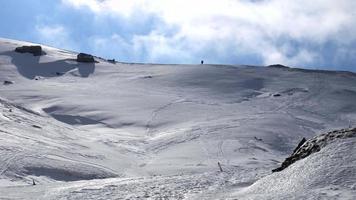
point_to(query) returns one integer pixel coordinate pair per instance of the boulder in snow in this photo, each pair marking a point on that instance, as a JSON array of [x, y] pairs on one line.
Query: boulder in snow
[[87, 58], [278, 66], [35, 50], [38, 78], [112, 61], [8, 82]]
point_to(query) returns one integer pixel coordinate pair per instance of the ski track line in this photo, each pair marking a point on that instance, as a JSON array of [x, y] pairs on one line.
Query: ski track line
[[86, 162], [155, 113]]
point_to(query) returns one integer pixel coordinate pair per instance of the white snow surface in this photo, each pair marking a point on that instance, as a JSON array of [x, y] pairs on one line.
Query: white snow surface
[[149, 131]]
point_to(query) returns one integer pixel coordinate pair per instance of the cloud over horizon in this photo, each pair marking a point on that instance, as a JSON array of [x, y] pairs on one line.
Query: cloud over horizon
[[303, 33]]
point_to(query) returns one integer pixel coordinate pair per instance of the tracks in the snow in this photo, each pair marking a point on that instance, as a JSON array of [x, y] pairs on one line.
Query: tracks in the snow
[[156, 112]]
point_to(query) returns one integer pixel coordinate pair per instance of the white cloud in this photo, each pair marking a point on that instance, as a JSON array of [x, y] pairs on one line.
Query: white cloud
[[91, 4], [254, 26], [141, 48], [55, 35]]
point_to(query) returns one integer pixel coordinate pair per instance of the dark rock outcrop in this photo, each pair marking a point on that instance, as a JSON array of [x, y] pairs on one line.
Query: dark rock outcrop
[[8, 82], [278, 66], [112, 61], [300, 144], [87, 58], [305, 148], [35, 50]]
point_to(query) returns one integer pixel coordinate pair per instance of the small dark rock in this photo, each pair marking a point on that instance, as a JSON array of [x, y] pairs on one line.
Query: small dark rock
[[8, 82], [258, 139], [87, 58], [277, 95], [35, 126], [35, 50], [37, 78]]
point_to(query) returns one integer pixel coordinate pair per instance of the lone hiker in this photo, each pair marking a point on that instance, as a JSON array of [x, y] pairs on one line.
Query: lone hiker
[[202, 62]]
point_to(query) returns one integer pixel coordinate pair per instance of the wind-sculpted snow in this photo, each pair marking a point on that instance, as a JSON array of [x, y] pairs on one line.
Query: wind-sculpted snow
[[64, 124], [35, 147]]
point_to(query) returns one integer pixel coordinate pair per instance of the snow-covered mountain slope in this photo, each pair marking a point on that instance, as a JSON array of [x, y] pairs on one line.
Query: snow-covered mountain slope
[[144, 130], [328, 174]]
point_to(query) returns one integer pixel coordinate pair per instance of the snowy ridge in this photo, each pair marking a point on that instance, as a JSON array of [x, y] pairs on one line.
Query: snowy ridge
[[328, 174], [315, 144], [120, 130]]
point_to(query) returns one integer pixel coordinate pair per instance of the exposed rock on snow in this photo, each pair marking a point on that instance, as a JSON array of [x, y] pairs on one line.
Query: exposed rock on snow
[[8, 82], [278, 66], [305, 148], [38, 78], [35, 50], [327, 174], [87, 58], [300, 144], [112, 61]]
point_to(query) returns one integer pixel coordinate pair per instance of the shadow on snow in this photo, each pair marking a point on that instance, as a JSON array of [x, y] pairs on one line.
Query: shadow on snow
[[29, 66]]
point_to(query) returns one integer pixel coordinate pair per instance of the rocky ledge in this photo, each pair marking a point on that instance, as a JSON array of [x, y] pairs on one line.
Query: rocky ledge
[[315, 144]]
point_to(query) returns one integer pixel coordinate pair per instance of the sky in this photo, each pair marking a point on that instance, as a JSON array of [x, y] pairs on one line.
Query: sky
[[317, 34]]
